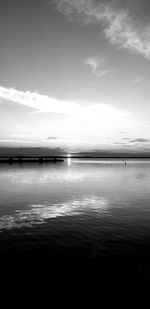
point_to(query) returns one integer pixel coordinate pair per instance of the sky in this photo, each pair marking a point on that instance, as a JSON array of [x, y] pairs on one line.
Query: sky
[[74, 75]]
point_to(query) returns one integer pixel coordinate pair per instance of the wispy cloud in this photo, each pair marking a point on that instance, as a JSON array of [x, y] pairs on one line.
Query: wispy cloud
[[137, 80], [38, 102], [96, 63], [140, 140], [136, 140], [51, 138], [44, 104], [123, 21], [126, 138]]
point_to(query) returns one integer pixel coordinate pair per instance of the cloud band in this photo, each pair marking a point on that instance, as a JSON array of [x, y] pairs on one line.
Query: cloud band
[[121, 25]]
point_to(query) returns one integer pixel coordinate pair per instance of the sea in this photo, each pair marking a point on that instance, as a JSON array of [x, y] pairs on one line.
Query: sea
[[89, 212]]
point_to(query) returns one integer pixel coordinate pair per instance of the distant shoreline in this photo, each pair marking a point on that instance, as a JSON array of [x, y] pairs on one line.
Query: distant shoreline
[[72, 157], [54, 159]]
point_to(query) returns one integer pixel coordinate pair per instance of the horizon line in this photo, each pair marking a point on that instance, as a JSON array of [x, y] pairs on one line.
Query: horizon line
[[74, 157]]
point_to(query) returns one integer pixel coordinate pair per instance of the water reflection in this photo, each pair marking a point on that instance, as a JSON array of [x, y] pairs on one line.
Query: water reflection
[[42, 176], [141, 176], [69, 161], [33, 193], [39, 213]]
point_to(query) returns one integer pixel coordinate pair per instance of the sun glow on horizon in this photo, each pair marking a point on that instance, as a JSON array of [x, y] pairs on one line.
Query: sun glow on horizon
[[85, 126]]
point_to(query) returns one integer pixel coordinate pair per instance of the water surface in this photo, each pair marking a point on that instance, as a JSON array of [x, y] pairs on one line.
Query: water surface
[[82, 210]]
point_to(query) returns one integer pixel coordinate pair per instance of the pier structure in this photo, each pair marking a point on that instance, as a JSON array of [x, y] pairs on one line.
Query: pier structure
[[24, 159]]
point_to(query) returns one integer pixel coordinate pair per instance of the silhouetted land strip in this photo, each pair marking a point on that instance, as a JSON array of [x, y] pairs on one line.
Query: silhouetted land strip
[[44, 159], [75, 157], [55, 159], [24, 159]]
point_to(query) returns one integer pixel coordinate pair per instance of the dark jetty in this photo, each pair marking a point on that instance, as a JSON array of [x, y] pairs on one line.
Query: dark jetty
[[29, 159]]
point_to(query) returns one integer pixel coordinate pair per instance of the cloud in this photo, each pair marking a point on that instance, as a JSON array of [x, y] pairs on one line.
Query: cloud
[[41, 103], [76, 109], [137, 80], [51, 138], [125, 23], [140, 140], [136, 140], [95, 64]]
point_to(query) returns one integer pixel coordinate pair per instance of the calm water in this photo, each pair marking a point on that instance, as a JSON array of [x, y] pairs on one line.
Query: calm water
[[83, 210]]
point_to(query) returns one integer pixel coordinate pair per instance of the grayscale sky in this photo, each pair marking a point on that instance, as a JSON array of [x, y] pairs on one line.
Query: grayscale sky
[[75, 74]]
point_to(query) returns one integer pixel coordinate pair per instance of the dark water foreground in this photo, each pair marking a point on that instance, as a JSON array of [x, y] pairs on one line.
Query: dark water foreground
[[85, 221], [41, 254]]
